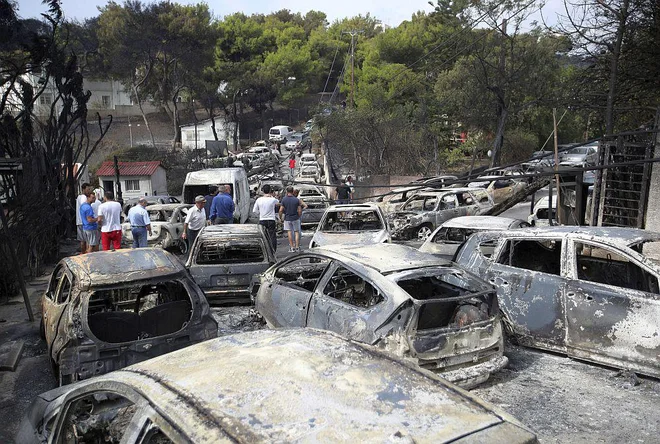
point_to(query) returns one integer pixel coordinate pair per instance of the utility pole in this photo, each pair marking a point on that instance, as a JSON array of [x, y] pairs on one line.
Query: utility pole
[[353, 34]]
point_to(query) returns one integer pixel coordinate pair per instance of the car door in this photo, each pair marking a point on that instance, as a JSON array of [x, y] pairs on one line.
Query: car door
[[530, 282], [284, 296], [55, 304], [446, 208], [613, 307], [346, 303]]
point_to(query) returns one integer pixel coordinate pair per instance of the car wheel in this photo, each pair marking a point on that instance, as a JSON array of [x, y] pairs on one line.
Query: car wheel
[[183, 246], [423, 232]]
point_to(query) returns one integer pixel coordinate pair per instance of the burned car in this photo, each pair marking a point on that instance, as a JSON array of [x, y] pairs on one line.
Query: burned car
[[166, 227], [316, 203], [413, 304], [224, 258], [589, 292], [446, 239], [268, 386], [359, 224], [425, 211], [500, 188], [103, 311]]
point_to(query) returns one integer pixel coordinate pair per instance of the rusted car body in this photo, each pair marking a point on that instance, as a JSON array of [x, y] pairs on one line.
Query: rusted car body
[[499, 188], [446, 239], [589, 292], [224, 258], [316, 203], [166, 227], [106, 310], [269, 386], [413, 304], [425, 211], [351, 224]]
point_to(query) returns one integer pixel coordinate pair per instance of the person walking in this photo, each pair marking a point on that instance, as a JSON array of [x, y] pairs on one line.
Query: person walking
[[292, 165], [195, 221], [80, 233], [110, 220], [290, 212], [343, 193], [140, 223], [351, 185], [265, 207], [213, 191], [296, 193], [222, 208], [90, 226]]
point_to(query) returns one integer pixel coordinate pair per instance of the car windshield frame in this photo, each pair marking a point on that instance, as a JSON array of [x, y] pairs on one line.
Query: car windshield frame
[[346, 218]]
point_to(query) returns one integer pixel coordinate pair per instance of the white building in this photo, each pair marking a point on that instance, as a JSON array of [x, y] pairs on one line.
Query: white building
[[136, 178], [194, 136]]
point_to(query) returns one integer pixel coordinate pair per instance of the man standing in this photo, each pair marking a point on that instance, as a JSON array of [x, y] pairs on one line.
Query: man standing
[[81, 199], [222, 208], [90, 227], [195, 221], [110, 220], [290, 212], [351, 185], [303, 205], [265, 207], [292, 164], [140, 223], [213, 191], [343, 193]]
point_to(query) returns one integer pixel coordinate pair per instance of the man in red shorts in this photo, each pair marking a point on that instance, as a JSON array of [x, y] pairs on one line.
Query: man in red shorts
[[110, 220]]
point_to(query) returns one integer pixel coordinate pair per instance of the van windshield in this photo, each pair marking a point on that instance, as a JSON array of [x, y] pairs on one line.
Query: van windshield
[[274, 131]]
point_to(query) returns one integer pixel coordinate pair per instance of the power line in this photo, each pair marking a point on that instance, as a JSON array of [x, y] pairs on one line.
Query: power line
[[329, 73]]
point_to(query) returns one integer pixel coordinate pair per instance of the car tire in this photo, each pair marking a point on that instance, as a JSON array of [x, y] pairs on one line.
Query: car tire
[[183, 246], [423, 232]]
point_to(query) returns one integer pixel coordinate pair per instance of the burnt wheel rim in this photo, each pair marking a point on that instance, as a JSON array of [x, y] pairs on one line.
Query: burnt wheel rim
[[423, 233]]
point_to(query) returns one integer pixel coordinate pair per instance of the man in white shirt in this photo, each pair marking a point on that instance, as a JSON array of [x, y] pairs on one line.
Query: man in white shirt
[[140, 223], [265, 207], [80, 234], [110, 220], [195, 221]]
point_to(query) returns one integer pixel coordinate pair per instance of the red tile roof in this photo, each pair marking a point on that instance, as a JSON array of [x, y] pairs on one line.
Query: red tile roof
[[129, 168]]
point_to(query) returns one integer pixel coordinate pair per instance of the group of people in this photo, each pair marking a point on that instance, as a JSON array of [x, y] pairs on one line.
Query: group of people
[[98, 223], [289, 212], [215, 208]]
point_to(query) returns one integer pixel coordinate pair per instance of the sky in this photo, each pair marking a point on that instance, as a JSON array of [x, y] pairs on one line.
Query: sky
[[390, 12]]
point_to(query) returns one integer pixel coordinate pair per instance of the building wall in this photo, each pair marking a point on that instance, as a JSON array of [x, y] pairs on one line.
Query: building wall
[[148, 185], [225, 130], [159, 182], [107, 94]]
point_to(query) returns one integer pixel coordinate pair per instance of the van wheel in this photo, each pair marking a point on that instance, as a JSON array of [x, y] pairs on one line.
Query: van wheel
[[423, 232]]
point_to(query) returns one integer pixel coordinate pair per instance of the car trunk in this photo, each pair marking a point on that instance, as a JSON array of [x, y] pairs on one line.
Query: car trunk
[[452, 327]]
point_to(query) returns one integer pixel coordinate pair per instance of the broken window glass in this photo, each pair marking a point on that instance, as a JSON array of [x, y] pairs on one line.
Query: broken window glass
[[352, 221], [303, 273], [101, 417], [351, 289], [605, 266], [139, 311], [54, 283], [64, 289], [230, 251], [542, 255]]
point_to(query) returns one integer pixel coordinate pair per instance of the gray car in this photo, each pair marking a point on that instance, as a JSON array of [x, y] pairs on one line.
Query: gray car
[[410, 303], [589, 292], [580, 156], [425, 211], [268, 387], [224, 258]]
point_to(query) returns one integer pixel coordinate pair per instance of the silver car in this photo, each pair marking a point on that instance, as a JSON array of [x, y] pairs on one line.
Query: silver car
[[413, 304], [589, 292], [166, 227], [424, 212], [580, 156], [351, 224], [224, 258]]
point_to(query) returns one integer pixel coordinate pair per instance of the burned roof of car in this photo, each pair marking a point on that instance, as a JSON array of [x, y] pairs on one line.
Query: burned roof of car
[[353, 207], [308, 385], [386, 258], [111, 267], [616, 235], [481, 222], [167, 207], [232, 229]]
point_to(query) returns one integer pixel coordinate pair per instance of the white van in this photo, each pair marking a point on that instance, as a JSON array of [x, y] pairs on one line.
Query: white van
[[197, 184], [278, 133]]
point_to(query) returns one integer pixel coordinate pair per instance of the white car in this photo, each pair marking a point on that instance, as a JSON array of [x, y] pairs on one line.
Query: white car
[[166, 227], [539, 216], [352, 224], [309, 174]]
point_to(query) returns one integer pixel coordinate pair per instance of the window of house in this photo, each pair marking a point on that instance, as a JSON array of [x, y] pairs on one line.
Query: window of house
[[46, 99], [352, 289], [605, 266], [96, 417], [542, 255], [132, 185], [105, 100], [303, 273]]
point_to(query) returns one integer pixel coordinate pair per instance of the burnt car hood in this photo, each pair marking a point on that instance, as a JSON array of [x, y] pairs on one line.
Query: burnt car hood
[[355, 238]]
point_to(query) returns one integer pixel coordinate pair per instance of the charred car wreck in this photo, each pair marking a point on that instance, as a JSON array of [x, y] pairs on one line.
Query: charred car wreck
[[589, 292], [413, 304], [106, 310]]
